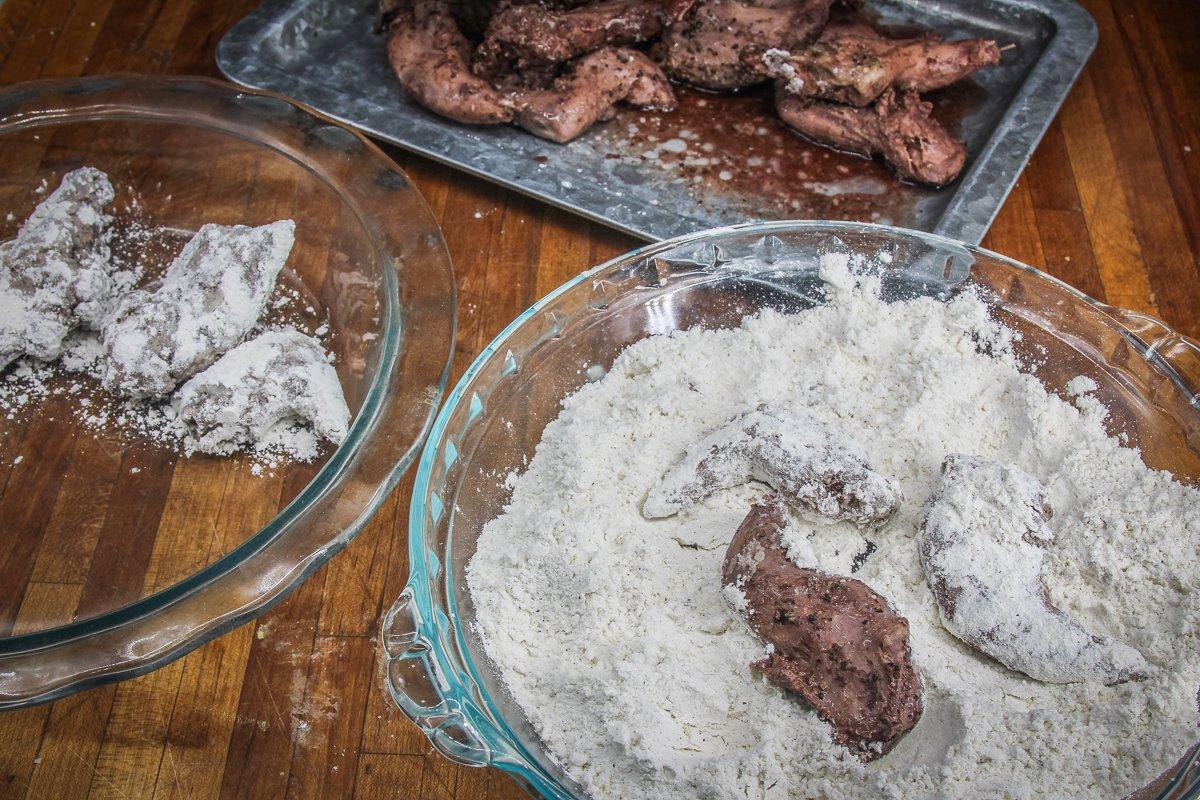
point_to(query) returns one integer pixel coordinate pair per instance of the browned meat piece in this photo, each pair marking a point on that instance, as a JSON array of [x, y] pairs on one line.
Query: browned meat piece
[[853, 64], [513, 82], [523, 36], [387, 10], [898, 128], [706, 47], [472, 15], [589, 91], [835, 641], [430, 56]]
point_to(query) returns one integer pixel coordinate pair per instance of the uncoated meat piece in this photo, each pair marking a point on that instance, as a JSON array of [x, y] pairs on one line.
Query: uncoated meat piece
[[706, 47], [832, 640], [590, 91], [901, 129], [210, 297], [851, 63], [431, 58], [529, 35]]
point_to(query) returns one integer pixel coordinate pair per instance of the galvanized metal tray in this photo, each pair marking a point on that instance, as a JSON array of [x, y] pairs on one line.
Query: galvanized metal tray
[[719, 159]]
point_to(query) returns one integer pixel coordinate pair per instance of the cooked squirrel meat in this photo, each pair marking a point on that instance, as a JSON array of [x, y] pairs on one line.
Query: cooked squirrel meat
[[523, 36], [589, 93], [850, 63], [705, 48], [900, 129], [431, 58]]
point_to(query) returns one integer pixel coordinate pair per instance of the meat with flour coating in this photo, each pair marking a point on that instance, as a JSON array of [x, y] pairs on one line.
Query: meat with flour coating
[[280, 377], [813, 464], [981, 544], [210, 297], [56, 275]]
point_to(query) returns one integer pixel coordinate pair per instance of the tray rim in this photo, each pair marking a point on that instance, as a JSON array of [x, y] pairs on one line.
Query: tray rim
[[966, 217]]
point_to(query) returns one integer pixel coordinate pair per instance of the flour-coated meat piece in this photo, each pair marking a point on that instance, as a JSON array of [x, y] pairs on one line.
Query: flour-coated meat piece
[[281, 376], [209, 299], [57, 274], [812, 464], [982, 541]]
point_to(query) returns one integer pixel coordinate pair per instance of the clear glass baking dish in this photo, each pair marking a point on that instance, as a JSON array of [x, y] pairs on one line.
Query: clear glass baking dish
[[437, 671], [369, 263]]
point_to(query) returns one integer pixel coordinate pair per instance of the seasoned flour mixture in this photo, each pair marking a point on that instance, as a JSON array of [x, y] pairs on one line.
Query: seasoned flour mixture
[[613, 635]]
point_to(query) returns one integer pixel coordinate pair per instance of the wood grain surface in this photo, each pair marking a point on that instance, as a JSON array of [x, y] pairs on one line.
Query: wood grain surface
[[291, 705]]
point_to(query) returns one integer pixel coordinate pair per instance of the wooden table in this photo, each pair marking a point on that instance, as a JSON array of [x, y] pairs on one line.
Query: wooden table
[[291, 705]]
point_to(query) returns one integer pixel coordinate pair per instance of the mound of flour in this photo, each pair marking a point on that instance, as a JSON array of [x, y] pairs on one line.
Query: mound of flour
[[612, 634]]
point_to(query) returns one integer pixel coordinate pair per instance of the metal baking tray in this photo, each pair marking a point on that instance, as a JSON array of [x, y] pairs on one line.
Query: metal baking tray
[[726, 159]]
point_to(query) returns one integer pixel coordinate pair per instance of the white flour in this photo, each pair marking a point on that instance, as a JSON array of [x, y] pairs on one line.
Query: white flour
[[612, 633]]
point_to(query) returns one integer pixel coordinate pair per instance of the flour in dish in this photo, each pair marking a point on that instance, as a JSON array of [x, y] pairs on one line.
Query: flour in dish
[[613, 635]]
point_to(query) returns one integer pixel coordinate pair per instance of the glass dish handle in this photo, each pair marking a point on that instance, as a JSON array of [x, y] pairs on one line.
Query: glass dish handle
[[1164, 343], [415, 681]]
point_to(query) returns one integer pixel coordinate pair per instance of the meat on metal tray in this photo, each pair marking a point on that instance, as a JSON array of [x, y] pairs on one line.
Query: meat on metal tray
[[718, 159]]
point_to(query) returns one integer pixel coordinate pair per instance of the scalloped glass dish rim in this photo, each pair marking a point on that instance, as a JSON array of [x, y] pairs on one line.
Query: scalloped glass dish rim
[[371, 409], [496, 730]]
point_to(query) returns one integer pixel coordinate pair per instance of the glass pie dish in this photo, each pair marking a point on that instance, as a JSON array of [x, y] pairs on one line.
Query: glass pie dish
[[437, 670], [117, 556]]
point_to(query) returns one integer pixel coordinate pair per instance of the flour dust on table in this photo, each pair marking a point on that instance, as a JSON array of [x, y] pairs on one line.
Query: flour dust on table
[[614, 634]]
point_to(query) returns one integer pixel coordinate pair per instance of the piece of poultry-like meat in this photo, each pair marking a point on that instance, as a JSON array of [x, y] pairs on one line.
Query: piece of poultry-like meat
[[982, 543], [523, 36], [589, 91], [431, 58], [471, 15], [706, 47], [833, 640], [851, 63], [900, 129], [812, 463]]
